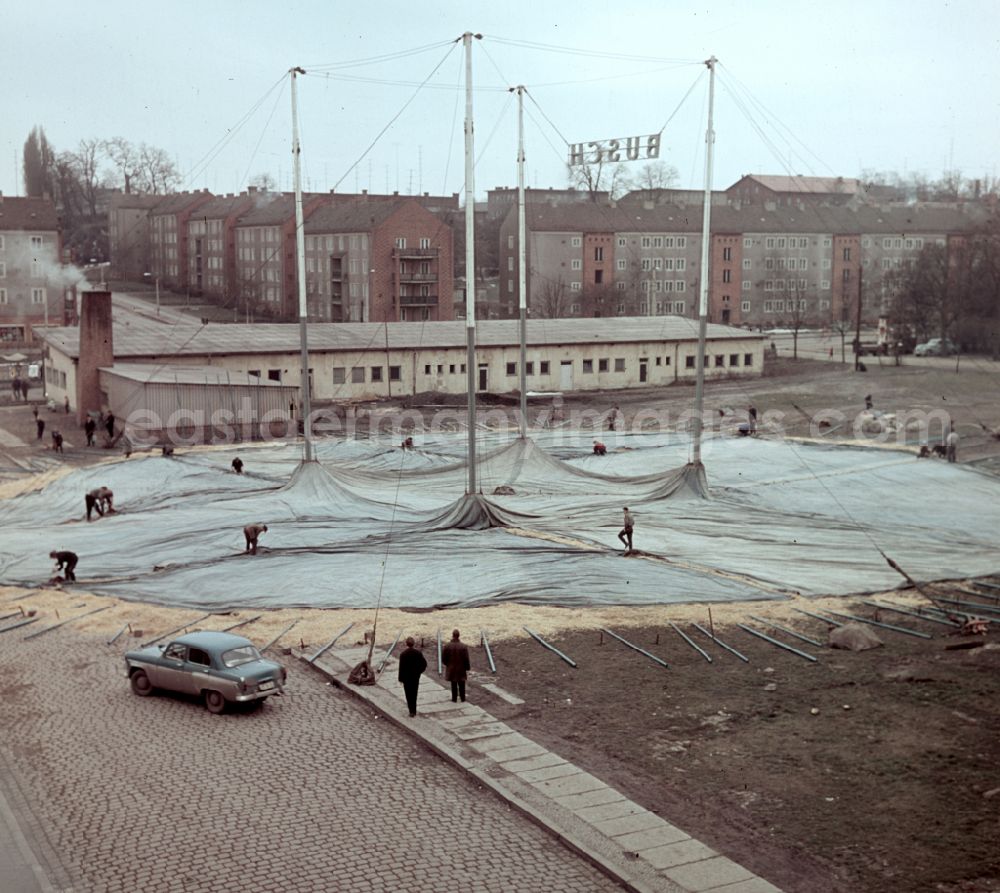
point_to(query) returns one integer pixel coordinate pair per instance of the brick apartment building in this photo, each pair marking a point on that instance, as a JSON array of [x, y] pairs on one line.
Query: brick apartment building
[[378, 261], [211, 245], [168, 242]]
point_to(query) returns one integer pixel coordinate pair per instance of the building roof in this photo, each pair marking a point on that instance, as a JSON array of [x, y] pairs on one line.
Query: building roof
[[187, 375], [147, 339], [133, 200], [351, 217], [802, 217], [28, 213], [270, 209], [178, 202], [817, 185], [222, 206]]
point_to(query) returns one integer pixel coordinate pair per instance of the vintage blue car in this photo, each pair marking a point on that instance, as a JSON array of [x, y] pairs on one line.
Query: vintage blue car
[[221, 668]]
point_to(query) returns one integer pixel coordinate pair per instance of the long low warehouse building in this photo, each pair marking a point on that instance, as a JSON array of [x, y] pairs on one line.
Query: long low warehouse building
[[368, 361]]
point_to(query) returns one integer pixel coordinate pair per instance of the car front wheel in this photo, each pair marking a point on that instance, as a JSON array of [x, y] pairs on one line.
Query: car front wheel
[[141, 684], [215, 702]]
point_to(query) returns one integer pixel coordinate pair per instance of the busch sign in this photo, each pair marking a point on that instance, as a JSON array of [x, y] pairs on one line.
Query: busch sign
[[624, 149]]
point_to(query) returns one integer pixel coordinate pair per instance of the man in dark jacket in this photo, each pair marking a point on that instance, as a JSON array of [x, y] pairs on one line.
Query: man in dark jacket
[[411, 664], [238, 465], [89, 427], [455, 657], [66, 562], [252, 533]]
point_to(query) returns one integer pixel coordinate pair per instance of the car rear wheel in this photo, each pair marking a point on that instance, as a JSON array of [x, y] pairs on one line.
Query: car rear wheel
[[215, 702], [141, 684]]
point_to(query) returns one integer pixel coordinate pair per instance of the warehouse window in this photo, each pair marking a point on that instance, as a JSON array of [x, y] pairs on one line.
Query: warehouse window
[[603, 365], [588, 366], [543, 367], [274, 374], [512, 368], [427, 369], [358, 374], [689, 362], [376, 373], [529, 368], [748, 359], [395, 373], [339, 374], [620, 364]]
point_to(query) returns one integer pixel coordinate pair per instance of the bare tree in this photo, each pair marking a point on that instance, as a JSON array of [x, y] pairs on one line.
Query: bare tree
[[599, 178], [125, 157], [552, 301], [653, 177], [158, 174]]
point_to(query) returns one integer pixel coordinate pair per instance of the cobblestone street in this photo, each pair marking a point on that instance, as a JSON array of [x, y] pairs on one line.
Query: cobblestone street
[[310, 793]]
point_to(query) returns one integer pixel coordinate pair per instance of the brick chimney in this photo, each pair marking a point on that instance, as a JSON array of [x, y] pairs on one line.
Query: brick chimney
[[96, 350]]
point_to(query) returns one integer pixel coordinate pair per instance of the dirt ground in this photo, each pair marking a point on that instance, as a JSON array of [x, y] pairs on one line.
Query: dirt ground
[[871, 771]]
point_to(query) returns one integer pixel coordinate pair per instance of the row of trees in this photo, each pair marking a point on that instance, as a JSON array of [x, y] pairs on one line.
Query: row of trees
[[952, 291], [78, 181]]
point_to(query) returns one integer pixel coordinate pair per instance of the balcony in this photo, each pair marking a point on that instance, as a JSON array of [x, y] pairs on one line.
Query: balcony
[[417, 300], [418, 253], [418, 277]]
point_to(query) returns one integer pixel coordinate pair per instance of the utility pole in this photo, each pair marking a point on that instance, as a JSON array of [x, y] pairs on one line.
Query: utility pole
[[857, 330]]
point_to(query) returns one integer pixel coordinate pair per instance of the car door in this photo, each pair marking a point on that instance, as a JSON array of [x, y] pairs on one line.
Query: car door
[[171, 671], [199, 675]]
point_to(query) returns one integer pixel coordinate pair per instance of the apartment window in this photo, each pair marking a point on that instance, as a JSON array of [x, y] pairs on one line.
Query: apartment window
[[576, 242], [425, 243], [746, 285], [803, 263], [647, 263], [36, 242], [802, 304], [682, 241], [376, 373], [748, 359], [727, 253], [745, 306], [668, 263], [1, 243], [678, 306], [3, 296], [769, 242], [825, 283], [887, 243], [781, 241], [400, 241], [643, 307], [668, 242], [575, 264], [747, 263], [621, 263], [38, 296], [603, 365], [598, 277], [620, 364], [512, 368], [543, 367], [3, 270], [803, 284], [358, 374], [727, 275], [621, 287], [598, 252], [917, 243], [846, 277], [826, 263], [510, 286], [681, 265], [689, 362], [657, 263], [780, 264], [768, 285], [529, 368], [510, 264], [657, 241], [645, 241], [574, 308], [768, 263], [575, 286], [826, 243], [779, 284], [886, 263], [748, 243], [897, 243], [847, 254], [621, 242], [395, 373], [588, 366]]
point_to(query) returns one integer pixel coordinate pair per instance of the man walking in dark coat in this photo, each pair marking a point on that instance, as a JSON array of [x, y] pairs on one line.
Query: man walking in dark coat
[[411, 664], [66, 562], [625, 534], [89, 427], [455, 657]]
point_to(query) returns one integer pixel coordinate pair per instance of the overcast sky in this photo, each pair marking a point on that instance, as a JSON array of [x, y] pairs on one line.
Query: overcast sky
[[804, 87]]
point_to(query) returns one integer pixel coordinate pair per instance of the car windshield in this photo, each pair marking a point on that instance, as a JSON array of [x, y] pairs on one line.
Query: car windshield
[[236, 657]]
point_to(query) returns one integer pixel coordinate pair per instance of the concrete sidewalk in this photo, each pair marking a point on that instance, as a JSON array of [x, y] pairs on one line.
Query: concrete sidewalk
[[625, 841]]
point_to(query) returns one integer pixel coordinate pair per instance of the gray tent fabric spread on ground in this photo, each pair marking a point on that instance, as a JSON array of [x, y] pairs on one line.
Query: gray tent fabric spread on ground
[[370, 521]]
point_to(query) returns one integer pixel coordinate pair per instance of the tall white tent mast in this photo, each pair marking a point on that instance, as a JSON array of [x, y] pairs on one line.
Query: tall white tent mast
[[300, 255], [522, 267], [706, 235], [470, 261]]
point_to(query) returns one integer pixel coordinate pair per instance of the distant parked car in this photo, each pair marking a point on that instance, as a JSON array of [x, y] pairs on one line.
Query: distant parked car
[[936, 347], [221, 668]]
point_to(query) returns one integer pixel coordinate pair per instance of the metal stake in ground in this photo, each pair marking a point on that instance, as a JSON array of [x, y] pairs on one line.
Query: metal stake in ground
[[329, 645], [690, 642], [767, 638], [552, 648], [790, 632], [717, 641], [388, 654], [176, 629], [229, 629], [652, 657], [47, 629], [489, 654], [275, 639]]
